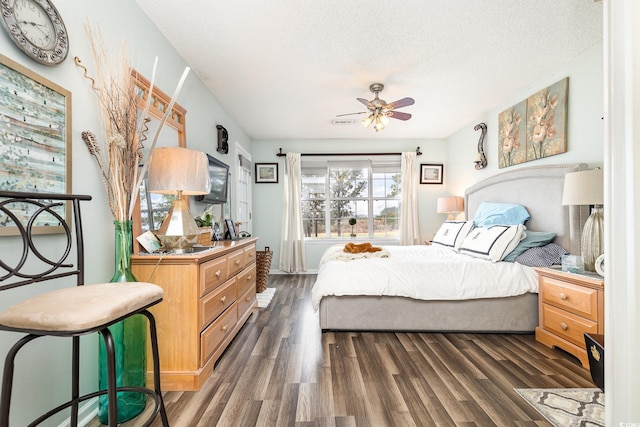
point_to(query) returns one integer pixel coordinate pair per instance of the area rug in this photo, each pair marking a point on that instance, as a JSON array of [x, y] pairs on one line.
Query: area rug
[[264, 297], [564, 407]]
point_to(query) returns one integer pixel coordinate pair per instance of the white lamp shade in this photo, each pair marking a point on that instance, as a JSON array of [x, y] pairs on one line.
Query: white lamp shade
[[450, 204], [583, 188], [174, 169]]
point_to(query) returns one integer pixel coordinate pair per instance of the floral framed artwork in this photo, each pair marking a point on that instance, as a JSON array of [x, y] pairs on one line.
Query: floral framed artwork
[[35, 140], [431, 173], [547, 121], [266, 173], [535, 127]]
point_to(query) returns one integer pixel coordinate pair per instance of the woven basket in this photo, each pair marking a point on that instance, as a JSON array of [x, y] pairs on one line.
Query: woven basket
[[263, 264]]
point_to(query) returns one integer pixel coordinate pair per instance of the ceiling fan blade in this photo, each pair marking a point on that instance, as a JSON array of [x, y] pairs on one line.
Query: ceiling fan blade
[[351, 114], [365, 102], [399, 115], [401, 103]]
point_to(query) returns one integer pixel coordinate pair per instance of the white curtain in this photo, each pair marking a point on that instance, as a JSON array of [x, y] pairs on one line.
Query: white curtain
[[292, 253], [409, 230]]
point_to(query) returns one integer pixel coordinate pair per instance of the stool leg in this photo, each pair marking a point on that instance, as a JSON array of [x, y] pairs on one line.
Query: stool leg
[[156, 365], [111, 377], [7, 378], [75, 380]]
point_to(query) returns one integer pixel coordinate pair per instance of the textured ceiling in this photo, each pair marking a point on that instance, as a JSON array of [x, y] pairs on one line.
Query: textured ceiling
[[284, 69]]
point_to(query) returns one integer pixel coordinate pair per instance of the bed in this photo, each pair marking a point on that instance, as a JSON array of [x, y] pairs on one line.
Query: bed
[[537, 188]]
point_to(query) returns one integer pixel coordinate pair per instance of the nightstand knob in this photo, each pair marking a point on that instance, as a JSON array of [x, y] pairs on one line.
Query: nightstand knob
[[224, 328], [564, 326], [223, 299], [218, 273], [563, 296]]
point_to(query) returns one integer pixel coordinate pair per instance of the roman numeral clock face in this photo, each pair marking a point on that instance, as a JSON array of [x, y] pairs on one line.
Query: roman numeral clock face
[[35, 26]]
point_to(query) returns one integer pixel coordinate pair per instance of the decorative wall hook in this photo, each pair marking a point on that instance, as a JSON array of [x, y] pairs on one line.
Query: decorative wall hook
[[481, 159]]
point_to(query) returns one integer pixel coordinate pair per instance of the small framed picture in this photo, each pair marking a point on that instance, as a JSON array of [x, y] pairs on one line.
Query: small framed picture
[[431, 174], [267, 173], [231, 229]]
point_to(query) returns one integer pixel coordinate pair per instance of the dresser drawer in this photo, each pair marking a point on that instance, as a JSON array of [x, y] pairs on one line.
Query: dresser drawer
[[246, 301], [250, 254], [213, 304], [235, 262], [576, 299], [247, 279], [212, 274], [566, 325], [211, 337]]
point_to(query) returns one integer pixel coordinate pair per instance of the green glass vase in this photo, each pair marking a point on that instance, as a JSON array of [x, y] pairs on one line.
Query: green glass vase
[[129, 336]]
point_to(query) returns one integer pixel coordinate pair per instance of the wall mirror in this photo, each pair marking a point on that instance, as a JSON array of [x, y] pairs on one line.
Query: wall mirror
[[152, 208]]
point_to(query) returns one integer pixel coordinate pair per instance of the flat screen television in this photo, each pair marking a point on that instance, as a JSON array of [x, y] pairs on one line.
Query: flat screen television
[[219, 176]]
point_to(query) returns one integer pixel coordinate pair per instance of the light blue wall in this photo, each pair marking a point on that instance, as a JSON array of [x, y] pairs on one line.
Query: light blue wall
[[43, 376], [585, 124]]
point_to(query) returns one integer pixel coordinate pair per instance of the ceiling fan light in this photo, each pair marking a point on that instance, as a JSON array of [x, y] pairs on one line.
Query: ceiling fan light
[[366, 122], [384, 119], [379, 124]]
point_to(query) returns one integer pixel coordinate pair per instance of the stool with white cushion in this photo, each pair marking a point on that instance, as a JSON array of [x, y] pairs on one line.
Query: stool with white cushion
[[70, 311]]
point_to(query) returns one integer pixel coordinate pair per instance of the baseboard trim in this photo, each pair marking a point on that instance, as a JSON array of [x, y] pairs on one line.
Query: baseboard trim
[[86, 413]]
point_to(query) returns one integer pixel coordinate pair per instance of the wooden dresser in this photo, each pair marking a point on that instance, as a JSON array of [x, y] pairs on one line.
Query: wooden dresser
[[570, 306], [208, 296]]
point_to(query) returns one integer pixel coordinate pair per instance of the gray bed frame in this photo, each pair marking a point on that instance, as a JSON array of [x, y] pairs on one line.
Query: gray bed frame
[[539, 189]]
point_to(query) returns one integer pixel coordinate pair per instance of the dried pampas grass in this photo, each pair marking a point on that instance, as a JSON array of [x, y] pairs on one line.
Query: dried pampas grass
[[118, 150]]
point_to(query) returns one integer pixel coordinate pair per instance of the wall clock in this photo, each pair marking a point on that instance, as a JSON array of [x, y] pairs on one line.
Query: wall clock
[[35, 26]]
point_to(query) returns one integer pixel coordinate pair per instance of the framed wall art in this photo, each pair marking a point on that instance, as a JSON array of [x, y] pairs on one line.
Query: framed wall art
[[267, 173], [35, 140], [535, 127], [431, 174]]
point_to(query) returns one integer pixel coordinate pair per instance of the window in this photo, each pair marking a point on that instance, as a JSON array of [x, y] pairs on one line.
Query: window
[[334, 192]]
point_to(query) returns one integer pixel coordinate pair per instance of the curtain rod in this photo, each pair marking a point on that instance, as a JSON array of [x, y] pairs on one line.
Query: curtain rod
[[281, 154]]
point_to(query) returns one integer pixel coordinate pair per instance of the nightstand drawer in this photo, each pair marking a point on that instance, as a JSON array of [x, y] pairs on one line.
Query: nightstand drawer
[[566, 325], [576, 299]]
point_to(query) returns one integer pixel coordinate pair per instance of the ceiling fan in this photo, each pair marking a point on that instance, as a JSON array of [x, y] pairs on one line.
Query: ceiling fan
[[379, 111]]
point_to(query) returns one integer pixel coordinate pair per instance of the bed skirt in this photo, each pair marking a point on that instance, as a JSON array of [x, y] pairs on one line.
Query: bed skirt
[[517, 314]]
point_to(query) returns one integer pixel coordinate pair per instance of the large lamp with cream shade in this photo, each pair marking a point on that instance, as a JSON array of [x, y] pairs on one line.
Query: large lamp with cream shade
[[184, 172], [450, 205], [586, 188]]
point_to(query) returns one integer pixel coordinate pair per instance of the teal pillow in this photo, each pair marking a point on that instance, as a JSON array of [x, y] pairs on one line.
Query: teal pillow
[[491, 213], [533, 239]]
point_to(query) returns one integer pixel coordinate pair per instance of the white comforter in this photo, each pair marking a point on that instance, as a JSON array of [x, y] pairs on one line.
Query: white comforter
[[421, 272]]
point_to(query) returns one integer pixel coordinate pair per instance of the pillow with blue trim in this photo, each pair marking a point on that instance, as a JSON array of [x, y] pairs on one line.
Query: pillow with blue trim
[[493, 243], [489, 214], [533, 239], [452, 233]]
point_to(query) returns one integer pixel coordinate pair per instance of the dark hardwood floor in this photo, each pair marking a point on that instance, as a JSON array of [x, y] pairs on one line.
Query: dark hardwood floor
[[282, 371]]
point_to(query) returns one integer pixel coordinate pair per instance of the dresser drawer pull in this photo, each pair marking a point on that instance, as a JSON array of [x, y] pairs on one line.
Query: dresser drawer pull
[[248, 277], [224, 328], [223, 299], [564, 326], [247, 299], [237, 262], [563, 296], [218, 273]]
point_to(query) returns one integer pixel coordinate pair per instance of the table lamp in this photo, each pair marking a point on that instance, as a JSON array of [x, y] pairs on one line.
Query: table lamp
[[184, 172], [450, 205], [586, 188]]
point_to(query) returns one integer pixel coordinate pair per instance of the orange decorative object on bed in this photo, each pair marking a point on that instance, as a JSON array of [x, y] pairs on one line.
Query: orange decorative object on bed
[[356, 248]]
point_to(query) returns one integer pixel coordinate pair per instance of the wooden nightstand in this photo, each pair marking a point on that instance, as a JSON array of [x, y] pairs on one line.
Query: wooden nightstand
[[570, 306]]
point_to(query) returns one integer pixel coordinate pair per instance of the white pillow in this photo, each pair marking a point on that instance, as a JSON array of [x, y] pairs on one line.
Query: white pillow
[[493, 243], [452, 233]]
